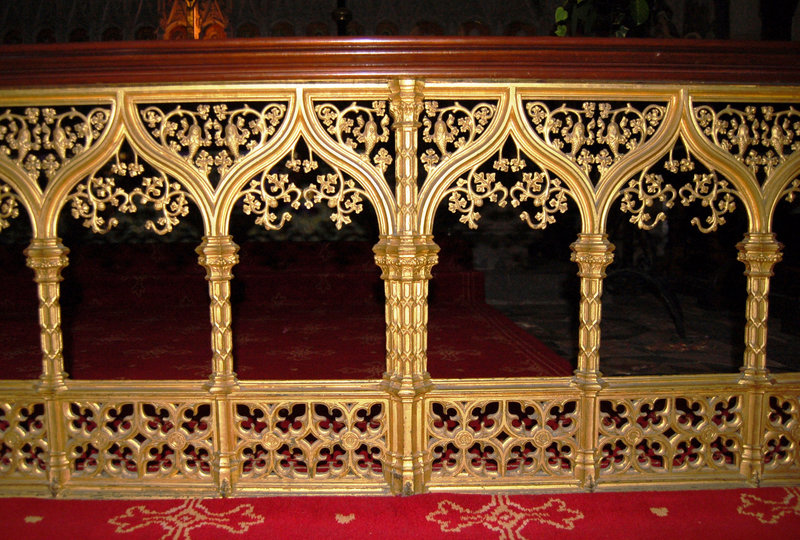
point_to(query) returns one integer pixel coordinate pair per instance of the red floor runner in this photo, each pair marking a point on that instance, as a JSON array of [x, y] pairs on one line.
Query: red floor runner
[[729, 514]]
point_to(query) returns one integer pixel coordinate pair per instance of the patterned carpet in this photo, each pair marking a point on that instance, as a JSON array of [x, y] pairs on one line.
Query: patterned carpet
[[730, 514]]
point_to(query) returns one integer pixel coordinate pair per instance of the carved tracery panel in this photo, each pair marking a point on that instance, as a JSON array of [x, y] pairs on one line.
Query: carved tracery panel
[[670, 434], [781, 443], [138, 440], [310, 440], [301, 178], [24, 449], [656, 189], [502, 438], [511, 176]]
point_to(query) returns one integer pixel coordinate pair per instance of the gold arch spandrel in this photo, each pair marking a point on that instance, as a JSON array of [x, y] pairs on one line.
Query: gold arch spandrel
[[719, 161], [775, 183], [578, 184], [26, 195], [779, 186], [198, 186], [370, 178], [440, 179], [58, 189], [644, 157], [229, 190]]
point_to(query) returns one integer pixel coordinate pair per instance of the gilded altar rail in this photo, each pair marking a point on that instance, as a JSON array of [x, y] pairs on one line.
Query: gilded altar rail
[[402, 145]]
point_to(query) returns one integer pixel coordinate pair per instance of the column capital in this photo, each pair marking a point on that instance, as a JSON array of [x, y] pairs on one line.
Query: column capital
[[218, 255], [406, 258], [405, 103]]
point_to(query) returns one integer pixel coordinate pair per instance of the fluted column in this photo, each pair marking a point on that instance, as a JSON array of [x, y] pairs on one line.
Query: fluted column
[[593, 253], [218, 255], [759, 252], [48, 257]]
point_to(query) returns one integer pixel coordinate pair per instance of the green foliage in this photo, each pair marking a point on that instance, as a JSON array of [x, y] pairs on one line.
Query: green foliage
[[603, 17]]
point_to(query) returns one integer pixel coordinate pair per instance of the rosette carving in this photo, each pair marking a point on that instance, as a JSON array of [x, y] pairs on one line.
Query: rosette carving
[[468, 194], [42, 140], [639, 196], [340, 193], [359, 128], [450, 128], [212, 138], [760, 137], [596, 135], [94, 197], [9, 206]]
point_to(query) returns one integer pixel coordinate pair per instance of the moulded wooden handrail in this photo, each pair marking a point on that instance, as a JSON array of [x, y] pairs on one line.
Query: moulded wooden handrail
[[272, 59]]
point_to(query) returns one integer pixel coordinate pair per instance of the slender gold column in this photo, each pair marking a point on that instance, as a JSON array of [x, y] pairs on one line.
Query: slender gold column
[[593, 253], [48, 257], [218, 255], [406, 264], [406, 259], [759, 252]]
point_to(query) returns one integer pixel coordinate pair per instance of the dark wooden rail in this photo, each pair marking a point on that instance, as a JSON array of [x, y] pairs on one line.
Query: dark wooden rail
[[540, 58]]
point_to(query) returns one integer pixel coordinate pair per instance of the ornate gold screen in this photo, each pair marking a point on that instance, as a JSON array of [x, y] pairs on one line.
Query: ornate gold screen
[[402, 146]]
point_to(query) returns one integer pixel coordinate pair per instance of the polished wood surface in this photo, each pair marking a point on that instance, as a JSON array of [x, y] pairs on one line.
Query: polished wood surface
[[283, 59]]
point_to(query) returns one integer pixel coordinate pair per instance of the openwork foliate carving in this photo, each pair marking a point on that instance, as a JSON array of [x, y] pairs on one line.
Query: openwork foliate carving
[[213, 138], [23, 440], [760, 137], [340, 193], [92, 199], [670, 434], [639, 196], [41, 140], [9, 206], [498, 438], [452, 127], [595, 135], [791, 191], [647, 196], [137, 440], [713, 193], [263, 196], [295, 440], [546, 192], [468, 194], [361, 129], [781, 447]]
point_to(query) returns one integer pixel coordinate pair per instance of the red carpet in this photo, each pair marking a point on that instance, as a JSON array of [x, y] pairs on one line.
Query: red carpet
[[729, 514], [301, 311]]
